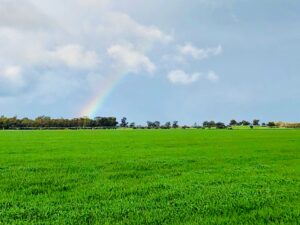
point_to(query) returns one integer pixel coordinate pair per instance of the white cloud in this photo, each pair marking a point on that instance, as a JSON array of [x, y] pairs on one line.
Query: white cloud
[[47, 48], [130, 59], [212, 76], [11, 75], [181, 77], [198, 53], [21, 14], [151, 32], [12, 72], [121, 26], [75, 56], [94, 3], [37, 36], [11, 80]]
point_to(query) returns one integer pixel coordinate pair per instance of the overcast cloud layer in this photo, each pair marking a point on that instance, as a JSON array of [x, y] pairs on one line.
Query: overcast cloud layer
[[185, 60]]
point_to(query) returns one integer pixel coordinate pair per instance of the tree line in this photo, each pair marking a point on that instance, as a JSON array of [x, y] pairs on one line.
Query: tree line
[[45, 122]]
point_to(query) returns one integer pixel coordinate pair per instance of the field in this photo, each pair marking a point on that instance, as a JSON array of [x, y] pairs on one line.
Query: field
[[150, 177]]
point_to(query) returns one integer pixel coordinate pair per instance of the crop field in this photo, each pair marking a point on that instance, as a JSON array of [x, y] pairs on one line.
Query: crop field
[[150, 177]]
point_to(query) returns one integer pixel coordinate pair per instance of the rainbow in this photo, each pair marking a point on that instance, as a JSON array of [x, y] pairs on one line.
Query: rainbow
[[103, 91]]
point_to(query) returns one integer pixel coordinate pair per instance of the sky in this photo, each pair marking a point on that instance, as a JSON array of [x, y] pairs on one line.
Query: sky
[[185, 60]]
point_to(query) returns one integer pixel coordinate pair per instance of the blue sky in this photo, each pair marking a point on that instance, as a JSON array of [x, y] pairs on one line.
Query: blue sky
[[190, 60]]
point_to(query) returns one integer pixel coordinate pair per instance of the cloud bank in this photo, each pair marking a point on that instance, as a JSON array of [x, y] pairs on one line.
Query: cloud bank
[[46, 55]]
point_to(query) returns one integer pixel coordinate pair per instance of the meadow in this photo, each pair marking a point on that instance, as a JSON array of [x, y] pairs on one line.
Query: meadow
[[150, 177]]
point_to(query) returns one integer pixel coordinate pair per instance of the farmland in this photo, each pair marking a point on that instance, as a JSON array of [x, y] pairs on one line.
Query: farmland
[[150, 177]]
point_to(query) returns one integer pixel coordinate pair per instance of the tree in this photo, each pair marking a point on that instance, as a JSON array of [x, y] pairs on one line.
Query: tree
[[205, 124], [211, 124], [255, 122], [167, 125], [26, 123], [175, 124], [233, 123], [245, 123], [149, 124], [124, 122], [271, 124], [46, 122], [43, 121], [220, 125], [106, 122], [87, 122], [156, 124], [132, 125]]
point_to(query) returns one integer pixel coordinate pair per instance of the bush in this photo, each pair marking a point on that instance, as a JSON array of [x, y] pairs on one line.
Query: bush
[[220, 125], [271, 124]]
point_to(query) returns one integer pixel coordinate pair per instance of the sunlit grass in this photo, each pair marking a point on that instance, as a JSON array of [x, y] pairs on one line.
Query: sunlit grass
[[150, 177]]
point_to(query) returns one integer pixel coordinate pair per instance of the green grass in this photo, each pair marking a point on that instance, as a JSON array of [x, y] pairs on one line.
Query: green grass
[[150, 177], [255, 128]]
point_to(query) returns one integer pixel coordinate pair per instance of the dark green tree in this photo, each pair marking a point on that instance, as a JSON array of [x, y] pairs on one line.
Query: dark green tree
[[233, 123], [124, 122], [220, 125], [255, 122], [245, 123], [271, 124], [175, 124]]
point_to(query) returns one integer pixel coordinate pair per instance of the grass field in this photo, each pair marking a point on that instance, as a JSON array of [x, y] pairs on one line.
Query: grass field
[[150, 177]]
